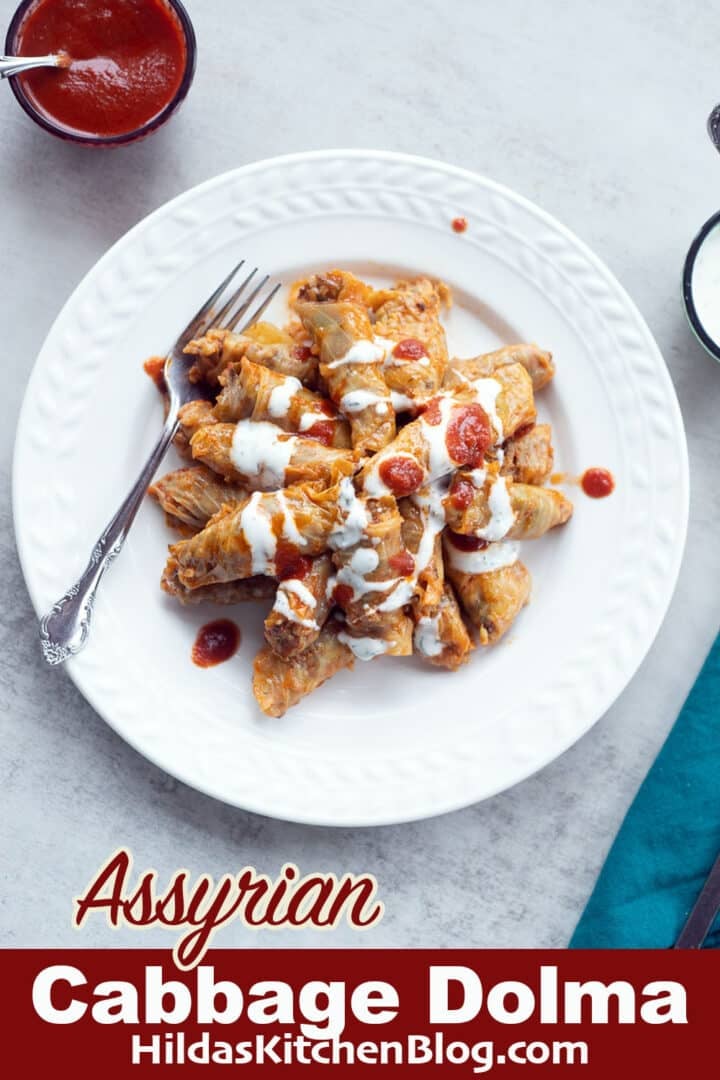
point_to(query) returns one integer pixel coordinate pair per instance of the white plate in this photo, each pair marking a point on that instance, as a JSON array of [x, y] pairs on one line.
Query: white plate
[[392, 740]]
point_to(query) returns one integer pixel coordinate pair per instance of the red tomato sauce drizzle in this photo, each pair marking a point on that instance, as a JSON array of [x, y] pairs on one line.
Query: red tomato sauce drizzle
[[402, 563], [432, 413], [469, 435], [342, 595], [462, 493], [323, 431], [402, 475], [289, 563], [466, 543], [128, 58], [215, 642], [409, 349]]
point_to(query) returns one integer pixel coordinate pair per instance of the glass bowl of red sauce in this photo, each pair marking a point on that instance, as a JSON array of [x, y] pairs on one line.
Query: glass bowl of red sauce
[[131, 65]]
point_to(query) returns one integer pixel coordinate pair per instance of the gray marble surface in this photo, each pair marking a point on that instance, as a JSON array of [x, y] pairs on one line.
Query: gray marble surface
[[596, 112]]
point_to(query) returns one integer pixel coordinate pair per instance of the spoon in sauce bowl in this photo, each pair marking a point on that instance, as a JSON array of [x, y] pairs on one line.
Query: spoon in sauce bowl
[[15, 65]]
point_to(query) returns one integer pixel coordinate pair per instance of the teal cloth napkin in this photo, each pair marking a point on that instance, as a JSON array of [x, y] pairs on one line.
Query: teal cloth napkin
[[669, 839]]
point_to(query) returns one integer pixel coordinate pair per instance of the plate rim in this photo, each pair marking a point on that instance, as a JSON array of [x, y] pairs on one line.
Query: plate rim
[[680, 445]]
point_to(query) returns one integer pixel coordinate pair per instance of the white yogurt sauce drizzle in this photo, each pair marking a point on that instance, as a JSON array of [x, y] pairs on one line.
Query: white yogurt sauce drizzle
[[387, 347], [360, 352], [356, 401], [257, 528], [262, 452], [439, 461], [493, 557], [308, 419], [374, 486], [430, 503], [401, 402], [364, 648], [281, 396], [283, 606], [363, 562], [290, 530], [402, 594], [502, 517], [354, 518], [294, 585], [426, 637], [486, 395]]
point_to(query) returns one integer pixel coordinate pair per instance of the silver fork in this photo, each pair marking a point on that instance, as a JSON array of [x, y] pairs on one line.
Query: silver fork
[[65, 629]]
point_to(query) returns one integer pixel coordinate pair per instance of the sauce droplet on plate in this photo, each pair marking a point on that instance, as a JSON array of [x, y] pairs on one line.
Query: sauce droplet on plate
[[597, 483], [215, 642], [459, 224]]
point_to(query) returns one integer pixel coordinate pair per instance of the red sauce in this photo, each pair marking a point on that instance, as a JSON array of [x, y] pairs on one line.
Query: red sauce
[[289, 563], [462, 494], [128, 60], [467, 543], [402, 563], [469, 435], [301, 352], [323, 431], [597, 483], [216, 641], [432, 413], [409, 349], [402, 475], [342, 595], [459, 224]]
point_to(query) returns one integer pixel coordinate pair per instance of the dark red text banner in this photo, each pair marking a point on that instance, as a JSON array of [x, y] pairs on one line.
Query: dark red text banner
[[457, 1013]]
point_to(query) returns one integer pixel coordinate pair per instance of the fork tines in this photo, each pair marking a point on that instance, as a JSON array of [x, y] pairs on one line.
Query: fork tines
[[233, 314]]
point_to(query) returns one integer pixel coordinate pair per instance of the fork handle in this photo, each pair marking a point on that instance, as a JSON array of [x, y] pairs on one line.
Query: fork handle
[[65, 629]]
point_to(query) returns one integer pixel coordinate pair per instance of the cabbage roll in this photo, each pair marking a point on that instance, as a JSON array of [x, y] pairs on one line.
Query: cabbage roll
[[279, 683]]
